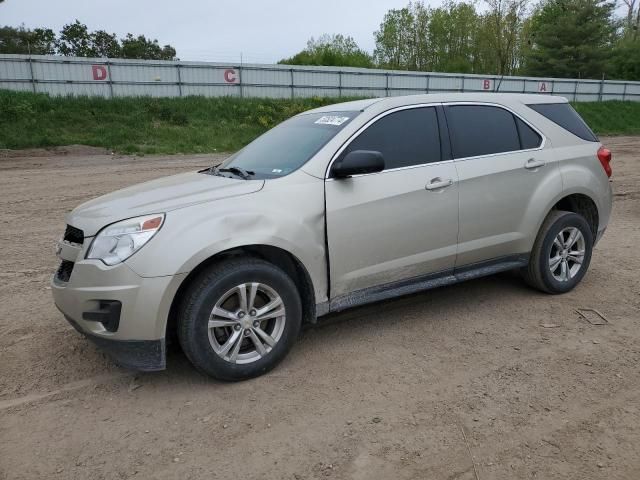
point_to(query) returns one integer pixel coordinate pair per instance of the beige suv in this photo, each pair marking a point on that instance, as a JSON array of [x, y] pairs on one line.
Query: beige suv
[[334, 208]]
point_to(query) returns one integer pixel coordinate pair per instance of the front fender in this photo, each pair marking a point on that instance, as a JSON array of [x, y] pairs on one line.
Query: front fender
[[288, 214]]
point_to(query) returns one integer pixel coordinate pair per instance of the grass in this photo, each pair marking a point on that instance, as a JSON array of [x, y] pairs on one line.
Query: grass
[[611, 118], [191, 124], [143, 124]]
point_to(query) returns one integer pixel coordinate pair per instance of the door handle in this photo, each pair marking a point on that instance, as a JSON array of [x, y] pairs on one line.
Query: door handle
[[437, 183], [532, 164]]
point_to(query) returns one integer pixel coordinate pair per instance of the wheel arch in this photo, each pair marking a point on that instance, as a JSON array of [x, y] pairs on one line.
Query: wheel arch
[[279, 257], [583, 205]]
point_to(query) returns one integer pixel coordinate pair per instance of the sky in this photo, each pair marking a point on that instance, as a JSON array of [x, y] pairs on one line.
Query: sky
[[263, 31]]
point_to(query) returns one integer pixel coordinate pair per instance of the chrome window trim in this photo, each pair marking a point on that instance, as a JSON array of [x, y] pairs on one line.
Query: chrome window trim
[[367, 125], [433, 104], [526, 122]]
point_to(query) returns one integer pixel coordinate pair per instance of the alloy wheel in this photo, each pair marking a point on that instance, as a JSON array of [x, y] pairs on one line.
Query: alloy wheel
[[246, 323], [567, 254]]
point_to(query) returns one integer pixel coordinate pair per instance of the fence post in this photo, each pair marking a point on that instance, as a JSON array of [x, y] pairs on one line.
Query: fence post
[[386, 88], [428, 82], [553, 84], [110, 79], [179, 79], [240, 81], [291, 78], [33, 78], [339, 83], [462, 84], [624, 92], [575, 91], [600, 90]]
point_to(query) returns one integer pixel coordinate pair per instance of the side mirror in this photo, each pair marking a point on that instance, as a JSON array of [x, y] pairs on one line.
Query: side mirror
[[358, 162]]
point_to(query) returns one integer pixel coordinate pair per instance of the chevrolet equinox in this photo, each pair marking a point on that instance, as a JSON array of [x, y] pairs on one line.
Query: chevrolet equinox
[[336, 207]]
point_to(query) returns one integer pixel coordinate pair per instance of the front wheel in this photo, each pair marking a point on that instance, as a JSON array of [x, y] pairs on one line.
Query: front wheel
[[239, 319], [561, 253]]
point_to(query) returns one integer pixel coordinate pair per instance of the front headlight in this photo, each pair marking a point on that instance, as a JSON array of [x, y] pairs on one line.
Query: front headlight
[[118, 241]]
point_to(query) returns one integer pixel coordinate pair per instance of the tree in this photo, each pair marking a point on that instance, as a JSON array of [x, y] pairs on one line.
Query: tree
[[570, 38], [23, 41], [75, 41], [105, 44], [625, 60], [143, 48], [395, 40], [503, 24], [332, 50]]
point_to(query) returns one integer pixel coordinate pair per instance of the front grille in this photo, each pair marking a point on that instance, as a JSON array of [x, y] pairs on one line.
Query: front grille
[[74, 235], [64, 271]]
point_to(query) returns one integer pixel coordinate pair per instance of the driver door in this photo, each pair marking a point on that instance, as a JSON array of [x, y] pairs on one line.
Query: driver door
[[399, 223]]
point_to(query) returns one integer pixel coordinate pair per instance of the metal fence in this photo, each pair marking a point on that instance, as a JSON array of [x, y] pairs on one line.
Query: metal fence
[[127, 78]]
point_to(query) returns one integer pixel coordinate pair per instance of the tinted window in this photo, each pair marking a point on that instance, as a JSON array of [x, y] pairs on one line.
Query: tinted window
[[481, 130], [290, 145], [528, 136], [405, 138], [564, 115]]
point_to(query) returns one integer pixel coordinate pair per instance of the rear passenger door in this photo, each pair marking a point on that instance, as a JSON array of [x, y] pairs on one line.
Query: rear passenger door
[[502, 166], [399, 223]]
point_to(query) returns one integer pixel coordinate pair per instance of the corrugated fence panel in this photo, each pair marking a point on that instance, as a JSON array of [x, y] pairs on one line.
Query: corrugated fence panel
[[445, 84], [19, 86], [120, 77], [633, 91], [267, 77], [354, 80], [15, 70]]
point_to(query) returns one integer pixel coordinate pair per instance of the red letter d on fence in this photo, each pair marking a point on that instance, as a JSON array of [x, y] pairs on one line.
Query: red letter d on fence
[[99, 72]]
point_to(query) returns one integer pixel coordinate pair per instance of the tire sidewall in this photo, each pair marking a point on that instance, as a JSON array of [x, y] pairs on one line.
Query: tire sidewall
[[568, 220], [195, 339]]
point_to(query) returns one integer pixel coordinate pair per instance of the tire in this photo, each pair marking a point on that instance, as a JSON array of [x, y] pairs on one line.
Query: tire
[[550, 249], [229, 350]]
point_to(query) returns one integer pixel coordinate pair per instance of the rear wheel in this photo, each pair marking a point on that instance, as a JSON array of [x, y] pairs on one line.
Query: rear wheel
[[561, 253], [239, 319]]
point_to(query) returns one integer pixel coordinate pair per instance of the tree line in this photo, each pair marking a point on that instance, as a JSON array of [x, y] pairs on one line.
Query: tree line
[[75, 40], [554, 38]]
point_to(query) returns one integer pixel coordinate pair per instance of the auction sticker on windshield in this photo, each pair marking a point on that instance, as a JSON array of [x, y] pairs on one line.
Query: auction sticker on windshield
[[331, 120]]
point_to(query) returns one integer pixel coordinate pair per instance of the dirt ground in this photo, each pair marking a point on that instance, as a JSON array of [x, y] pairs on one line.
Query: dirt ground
[[482, 380]]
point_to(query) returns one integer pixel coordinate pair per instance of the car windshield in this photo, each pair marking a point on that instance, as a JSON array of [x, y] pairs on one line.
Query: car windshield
[[286, 147]]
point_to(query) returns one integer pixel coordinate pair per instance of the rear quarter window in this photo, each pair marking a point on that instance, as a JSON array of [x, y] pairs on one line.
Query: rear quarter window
[[564, 115]]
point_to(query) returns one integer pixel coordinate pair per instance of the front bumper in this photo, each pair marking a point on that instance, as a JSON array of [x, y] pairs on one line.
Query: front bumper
[[139, 340], [141, 355]]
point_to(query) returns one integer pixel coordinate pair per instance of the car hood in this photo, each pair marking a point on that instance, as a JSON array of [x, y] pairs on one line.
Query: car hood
[[157, 196]]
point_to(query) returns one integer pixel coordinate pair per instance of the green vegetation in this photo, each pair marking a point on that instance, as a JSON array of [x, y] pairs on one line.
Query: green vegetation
[[192, 124], [611, 118], [75, 40], [555, 38], [334, 50], [142, 125]]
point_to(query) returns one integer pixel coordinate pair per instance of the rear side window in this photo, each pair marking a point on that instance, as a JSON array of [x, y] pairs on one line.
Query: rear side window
[[529, 138], [405, 138], [481, 130], [564, 115]]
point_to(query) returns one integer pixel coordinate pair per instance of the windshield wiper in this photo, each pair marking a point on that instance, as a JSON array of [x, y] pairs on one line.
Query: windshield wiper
[[240, 172]]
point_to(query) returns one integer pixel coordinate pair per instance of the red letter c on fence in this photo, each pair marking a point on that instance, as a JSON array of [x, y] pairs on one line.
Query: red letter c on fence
[[230, 76]]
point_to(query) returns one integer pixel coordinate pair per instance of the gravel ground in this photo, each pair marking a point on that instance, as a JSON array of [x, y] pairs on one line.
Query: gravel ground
[[482, 380]]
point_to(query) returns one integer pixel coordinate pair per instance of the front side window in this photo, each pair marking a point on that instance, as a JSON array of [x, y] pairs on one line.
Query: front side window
[[288, 146], [405, 138], [481, 130]]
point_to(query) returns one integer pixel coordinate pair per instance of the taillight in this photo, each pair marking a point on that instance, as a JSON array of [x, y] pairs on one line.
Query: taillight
[[604, 155]]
